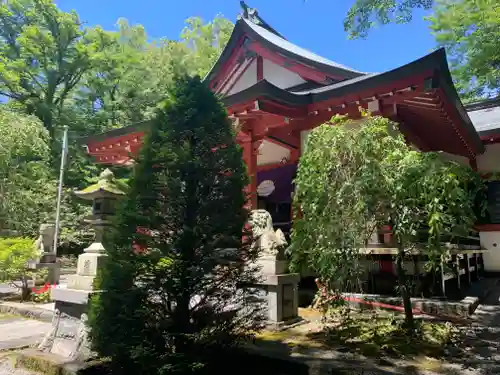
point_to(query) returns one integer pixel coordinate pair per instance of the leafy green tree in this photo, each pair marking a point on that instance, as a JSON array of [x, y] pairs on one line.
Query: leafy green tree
[[164, 307], [350, 182], [365, 14], [43, 54], [28, 189], [15, 253], [470, 32], [205, 42], [129, 84], [26, 193]]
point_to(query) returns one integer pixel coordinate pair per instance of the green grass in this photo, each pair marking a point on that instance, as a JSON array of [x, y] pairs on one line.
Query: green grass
[[372, 334]]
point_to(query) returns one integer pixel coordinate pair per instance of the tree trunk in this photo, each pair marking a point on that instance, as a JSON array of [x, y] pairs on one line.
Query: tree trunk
[[403, 289]]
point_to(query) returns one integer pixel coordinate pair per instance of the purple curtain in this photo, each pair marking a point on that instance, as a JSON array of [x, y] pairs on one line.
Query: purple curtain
[[282, 177]]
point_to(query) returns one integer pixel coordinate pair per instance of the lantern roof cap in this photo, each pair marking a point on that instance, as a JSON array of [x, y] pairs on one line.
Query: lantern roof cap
[[106, 187]]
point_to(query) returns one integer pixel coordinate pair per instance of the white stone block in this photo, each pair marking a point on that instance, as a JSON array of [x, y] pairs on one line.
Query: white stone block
[[271, 266], [89, 263]]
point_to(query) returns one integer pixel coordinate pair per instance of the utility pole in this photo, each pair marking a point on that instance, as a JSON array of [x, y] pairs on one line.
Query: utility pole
[[59, 191]]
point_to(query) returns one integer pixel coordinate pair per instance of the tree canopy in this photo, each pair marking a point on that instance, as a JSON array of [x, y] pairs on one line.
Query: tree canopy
[[25, 190], [468, 29], [470, 32], [55, 69], [365, 14]]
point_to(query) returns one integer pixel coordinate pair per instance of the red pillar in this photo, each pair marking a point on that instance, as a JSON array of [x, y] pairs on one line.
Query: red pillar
[[250, 149]]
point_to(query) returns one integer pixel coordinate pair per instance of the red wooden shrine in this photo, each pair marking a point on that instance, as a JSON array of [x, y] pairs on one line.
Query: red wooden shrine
[[276, 92]]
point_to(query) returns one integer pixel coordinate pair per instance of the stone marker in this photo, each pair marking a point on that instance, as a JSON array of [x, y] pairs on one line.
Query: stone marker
[[47, 257], [68, 336]]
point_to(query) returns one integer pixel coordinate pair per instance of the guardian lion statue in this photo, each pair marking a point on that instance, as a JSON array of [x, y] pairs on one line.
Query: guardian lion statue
[[271, 242]]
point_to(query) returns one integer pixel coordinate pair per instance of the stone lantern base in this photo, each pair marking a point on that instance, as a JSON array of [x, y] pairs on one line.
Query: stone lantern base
[[69, 336]]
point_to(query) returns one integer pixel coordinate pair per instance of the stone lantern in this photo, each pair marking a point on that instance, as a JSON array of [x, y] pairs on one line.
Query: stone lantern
[[104, 196], [68, 336]]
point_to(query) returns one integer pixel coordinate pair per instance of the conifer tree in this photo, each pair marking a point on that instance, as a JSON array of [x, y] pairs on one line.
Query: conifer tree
[[165, 308]]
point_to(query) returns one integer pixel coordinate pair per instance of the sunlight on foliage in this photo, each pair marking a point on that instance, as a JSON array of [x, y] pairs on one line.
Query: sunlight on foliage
[[357, 176]]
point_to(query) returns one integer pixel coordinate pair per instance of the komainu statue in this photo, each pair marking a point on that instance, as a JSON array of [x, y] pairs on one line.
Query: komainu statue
[[270, 242], [44, 242]]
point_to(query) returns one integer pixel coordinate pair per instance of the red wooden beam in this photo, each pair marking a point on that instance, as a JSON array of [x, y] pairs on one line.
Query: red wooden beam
[[453, 112], [490, 139], [410, 135], [250, 158], [473, 164], [416, 82], [260, 68], [116, 142], [281, 109], [286, 135], [267, 167], [321, 117]]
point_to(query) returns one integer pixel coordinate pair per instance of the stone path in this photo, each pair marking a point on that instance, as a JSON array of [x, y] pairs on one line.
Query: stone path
[[480, 347], [18, 332]]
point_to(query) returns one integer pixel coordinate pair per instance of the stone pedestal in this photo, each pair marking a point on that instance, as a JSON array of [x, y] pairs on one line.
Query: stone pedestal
[[282, 299], [269, 265], [69, 335], [279, 288]]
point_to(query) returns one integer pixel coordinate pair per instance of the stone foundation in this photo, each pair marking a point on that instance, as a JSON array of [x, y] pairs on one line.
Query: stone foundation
[[280, 295], [69, 334], [459, 309]]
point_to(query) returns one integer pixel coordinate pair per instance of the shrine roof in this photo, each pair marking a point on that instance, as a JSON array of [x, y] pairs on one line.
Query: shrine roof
[[433, 61], [485, 116], [272, 40], [434, 66], [134, 128], [295, 51]]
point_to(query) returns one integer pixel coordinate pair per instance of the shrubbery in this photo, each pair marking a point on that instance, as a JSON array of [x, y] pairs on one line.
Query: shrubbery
[[15, 253]]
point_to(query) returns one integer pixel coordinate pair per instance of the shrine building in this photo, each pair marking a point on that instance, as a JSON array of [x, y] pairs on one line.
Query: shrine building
[[277, 92]]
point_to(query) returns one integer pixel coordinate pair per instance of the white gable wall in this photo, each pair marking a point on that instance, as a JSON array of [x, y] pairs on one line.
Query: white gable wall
[[456, 158], [280, 76], [490, 160], [249, 78], [273, 73], [271, 153]]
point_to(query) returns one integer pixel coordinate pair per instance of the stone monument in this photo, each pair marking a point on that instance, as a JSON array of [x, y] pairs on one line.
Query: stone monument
[[279, 286], [68, 336], [47, 257]]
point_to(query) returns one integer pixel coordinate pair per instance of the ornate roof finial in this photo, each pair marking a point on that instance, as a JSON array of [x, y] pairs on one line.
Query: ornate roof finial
[[244, 7], [250, 14]]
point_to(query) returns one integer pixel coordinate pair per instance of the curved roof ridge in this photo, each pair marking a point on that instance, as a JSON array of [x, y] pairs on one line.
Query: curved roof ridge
[[253, 16], [283, 43]]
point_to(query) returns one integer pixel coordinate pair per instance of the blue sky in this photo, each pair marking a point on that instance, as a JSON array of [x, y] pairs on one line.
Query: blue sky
[[313, 24]]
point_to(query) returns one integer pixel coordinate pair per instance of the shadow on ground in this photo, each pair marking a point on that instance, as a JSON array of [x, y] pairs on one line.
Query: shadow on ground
[[466, 349]]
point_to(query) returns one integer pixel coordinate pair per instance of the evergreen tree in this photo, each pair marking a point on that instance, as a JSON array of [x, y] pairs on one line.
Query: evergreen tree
[[164, 309]]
